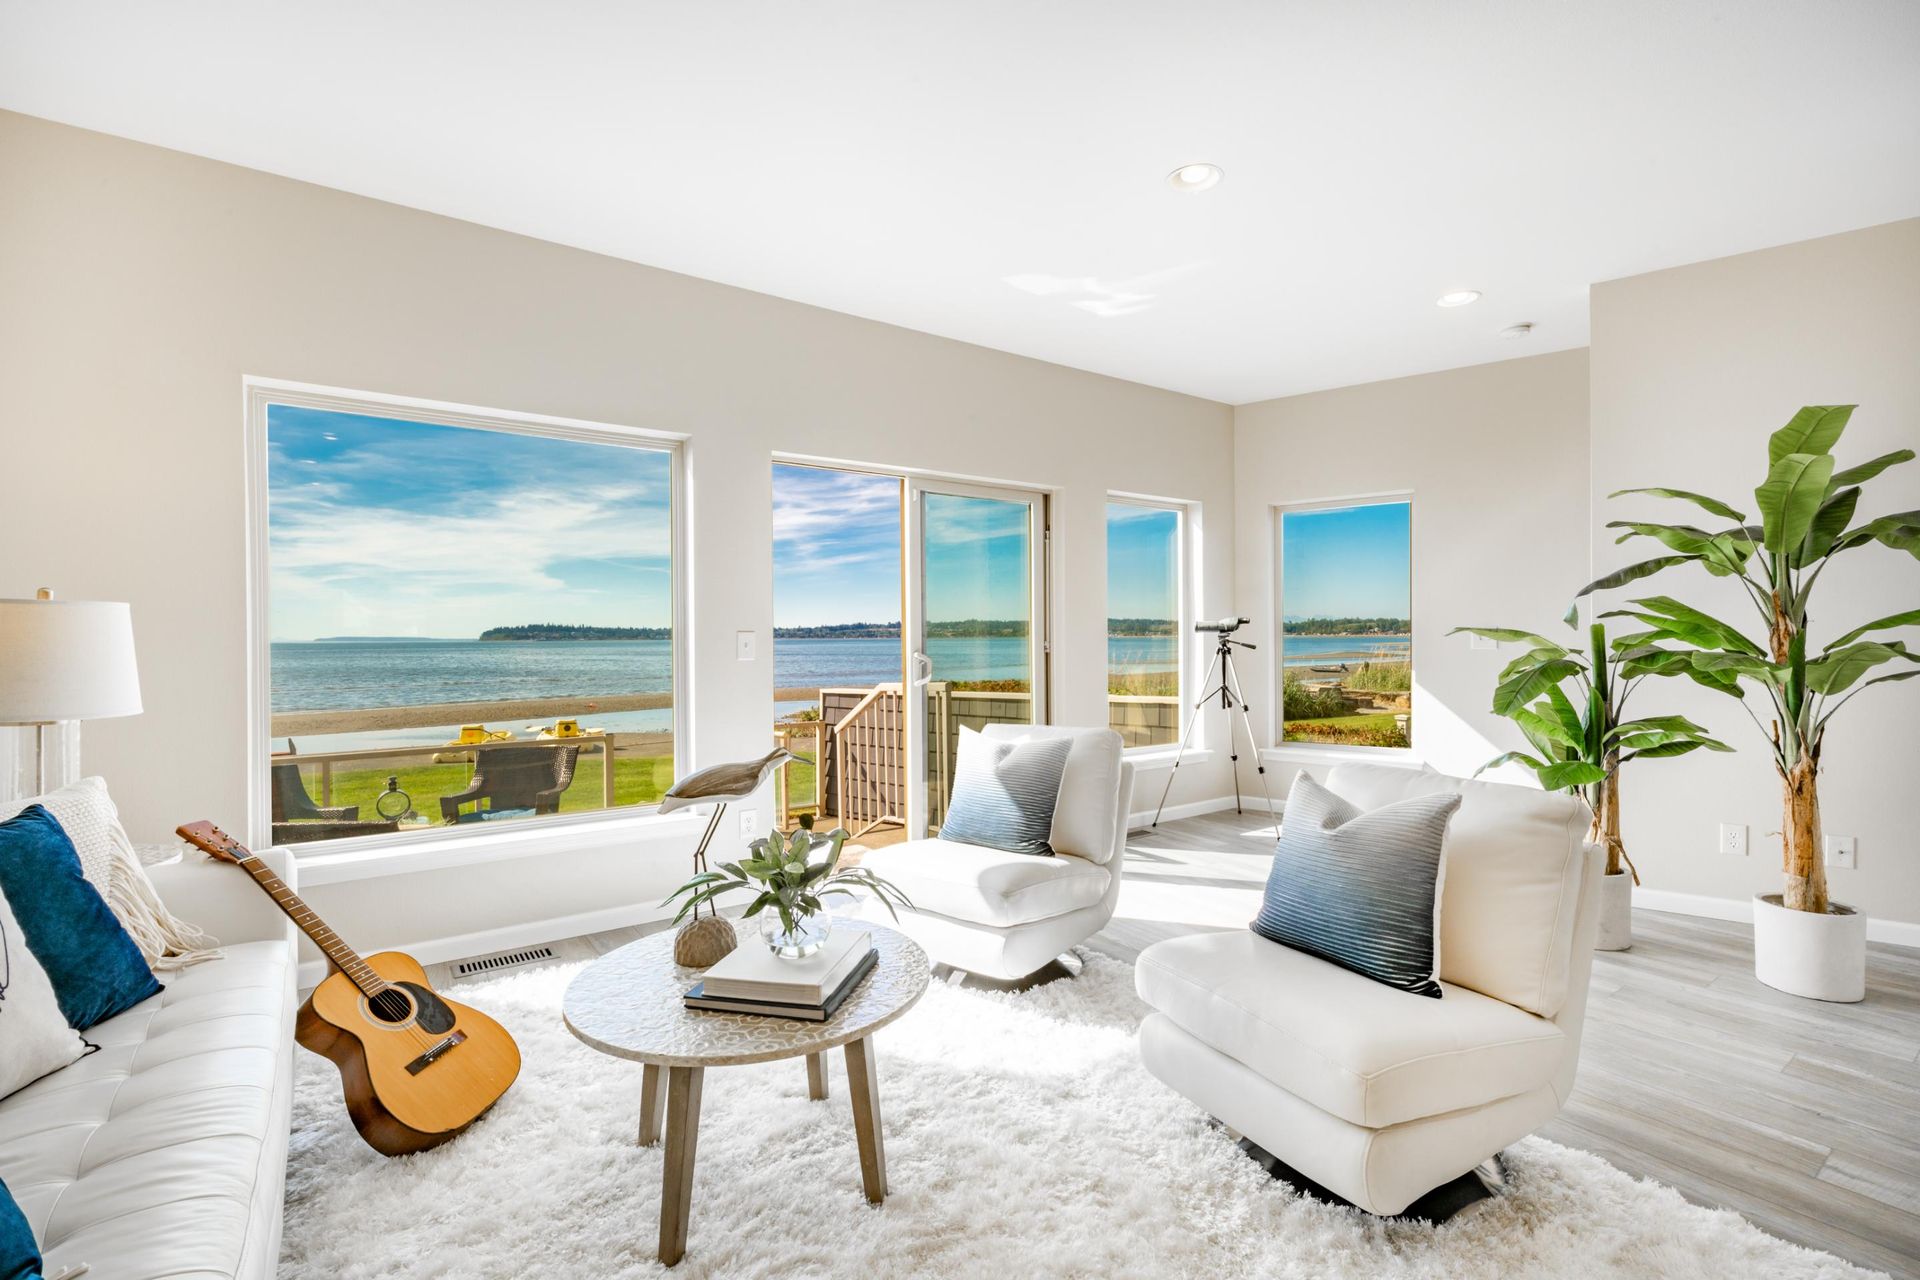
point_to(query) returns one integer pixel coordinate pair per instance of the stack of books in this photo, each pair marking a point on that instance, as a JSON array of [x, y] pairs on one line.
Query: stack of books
[[751, 979]]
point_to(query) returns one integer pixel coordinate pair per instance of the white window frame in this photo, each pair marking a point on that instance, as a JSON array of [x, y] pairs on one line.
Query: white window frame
[[353, 856], [1187, 645], [1306, 752]]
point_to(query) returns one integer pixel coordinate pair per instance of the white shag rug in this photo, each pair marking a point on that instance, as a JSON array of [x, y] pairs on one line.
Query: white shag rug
[[1024, 1139]]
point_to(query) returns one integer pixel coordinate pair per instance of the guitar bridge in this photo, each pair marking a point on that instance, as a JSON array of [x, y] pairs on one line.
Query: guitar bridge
[[433, 1053]]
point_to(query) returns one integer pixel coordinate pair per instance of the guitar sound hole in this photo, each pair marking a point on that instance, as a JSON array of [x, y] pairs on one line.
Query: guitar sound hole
[[391, 1005]]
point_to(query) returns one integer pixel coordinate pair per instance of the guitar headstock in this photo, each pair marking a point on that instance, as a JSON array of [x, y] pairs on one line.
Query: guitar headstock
[[210, 839]]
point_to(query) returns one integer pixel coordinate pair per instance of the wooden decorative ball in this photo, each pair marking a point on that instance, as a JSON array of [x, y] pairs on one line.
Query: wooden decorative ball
[[702, 941]]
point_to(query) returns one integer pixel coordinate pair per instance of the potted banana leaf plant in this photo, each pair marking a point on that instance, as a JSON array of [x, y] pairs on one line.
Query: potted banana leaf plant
[[1572, 708], [1803, 942]]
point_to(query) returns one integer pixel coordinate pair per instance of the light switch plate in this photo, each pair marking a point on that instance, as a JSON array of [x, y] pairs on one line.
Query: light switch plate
[[745, 644], [1733, 839], [1843, 852]]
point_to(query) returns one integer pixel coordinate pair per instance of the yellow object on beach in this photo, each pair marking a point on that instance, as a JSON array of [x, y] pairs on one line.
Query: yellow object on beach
[[471, 735], [562, 729]]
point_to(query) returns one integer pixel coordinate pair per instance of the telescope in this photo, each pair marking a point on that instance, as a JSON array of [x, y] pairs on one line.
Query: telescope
[[1225, 626]]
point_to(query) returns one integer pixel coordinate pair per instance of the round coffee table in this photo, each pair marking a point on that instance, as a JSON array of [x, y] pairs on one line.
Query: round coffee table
[[627, 1003]]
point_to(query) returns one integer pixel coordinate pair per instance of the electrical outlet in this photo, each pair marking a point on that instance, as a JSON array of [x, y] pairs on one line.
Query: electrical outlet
[[1843, 852], [1733, 839], [749, 824], [744, 643]]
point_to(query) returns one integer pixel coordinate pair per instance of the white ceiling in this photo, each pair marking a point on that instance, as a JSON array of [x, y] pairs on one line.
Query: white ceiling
[[994, 171]]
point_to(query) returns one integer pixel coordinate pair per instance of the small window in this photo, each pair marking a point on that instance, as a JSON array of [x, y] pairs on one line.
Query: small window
[[470, 623], [1146, 625], [1346, 625]]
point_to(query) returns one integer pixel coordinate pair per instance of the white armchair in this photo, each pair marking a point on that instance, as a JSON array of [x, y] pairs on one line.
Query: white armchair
[[1376, 1094], [1004, 915]]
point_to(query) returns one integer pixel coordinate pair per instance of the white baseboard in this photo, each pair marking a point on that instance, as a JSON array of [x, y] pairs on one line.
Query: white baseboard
[[1900, 933], [508, 937], [1192, 809]]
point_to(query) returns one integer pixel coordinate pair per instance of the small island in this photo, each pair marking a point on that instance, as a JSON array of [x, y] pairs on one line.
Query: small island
[[558, 631]]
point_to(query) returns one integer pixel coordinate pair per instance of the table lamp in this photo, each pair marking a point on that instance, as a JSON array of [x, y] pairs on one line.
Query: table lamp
[[65, 660]]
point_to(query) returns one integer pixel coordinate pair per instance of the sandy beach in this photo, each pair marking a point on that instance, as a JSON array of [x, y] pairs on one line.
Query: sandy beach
[[434, 715]]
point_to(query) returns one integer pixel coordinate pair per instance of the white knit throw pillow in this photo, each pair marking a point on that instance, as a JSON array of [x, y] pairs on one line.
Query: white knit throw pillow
[[87, 814], [34, 1035]]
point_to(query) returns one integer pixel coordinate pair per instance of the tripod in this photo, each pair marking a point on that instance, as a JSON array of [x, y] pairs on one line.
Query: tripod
[[1228, 692]]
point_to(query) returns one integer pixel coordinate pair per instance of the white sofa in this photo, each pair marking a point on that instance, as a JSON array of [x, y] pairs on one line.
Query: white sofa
[[164, 1154], [1004, 915], [1376, 1094]]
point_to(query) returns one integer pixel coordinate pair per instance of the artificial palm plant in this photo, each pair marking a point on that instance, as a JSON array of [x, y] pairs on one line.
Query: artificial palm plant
[[1578, 727], [1806, 506]]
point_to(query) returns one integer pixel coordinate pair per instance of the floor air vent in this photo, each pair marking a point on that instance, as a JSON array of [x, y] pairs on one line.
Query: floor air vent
[[502, 960]]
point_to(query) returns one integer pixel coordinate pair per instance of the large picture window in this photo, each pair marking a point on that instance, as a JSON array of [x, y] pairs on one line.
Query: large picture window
[[1146, 631], [1346, 624], [469, 622]]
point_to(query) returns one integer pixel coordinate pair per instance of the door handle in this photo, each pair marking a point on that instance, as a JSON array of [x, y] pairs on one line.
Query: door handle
[[922, 669]]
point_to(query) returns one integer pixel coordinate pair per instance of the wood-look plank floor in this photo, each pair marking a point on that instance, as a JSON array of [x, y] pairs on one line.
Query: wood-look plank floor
[[1802, 1116]]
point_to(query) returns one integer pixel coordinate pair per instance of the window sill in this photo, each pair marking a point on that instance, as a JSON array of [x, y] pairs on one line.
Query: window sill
[[1304, 753], [437, 852], [1153, 759]]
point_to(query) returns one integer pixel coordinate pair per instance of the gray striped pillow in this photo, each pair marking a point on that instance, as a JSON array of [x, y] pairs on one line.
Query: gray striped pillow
[[1004, 793], [1361, 889]]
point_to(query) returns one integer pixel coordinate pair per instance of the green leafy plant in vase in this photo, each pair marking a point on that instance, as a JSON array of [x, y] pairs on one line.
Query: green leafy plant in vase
[[1572, 708], [791, 883], [1803, 943]]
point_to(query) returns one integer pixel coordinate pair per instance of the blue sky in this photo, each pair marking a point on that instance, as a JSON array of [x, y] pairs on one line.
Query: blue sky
[[382, 526], [1347, 562], [1142, 576], [836, 547]]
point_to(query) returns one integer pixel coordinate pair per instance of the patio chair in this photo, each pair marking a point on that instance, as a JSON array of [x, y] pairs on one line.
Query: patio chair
[[522, 778], [291, 803]]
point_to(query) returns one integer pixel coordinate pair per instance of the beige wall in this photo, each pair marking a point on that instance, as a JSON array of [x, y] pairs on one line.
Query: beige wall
[[1495, 460], [1692, 369], [138, 286]]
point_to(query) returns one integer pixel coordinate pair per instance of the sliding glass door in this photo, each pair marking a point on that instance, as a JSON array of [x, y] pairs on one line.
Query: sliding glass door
[[976, 622]]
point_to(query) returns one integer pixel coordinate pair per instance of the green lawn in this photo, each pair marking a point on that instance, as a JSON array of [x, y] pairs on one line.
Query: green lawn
[[636, 780], [1361, 731]]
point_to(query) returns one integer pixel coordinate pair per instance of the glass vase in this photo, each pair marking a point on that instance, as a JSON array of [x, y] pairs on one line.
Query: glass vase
[[808, 935]]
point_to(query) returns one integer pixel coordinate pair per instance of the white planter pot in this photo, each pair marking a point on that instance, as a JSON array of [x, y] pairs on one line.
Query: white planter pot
[[1616, 912], [1803, 954]]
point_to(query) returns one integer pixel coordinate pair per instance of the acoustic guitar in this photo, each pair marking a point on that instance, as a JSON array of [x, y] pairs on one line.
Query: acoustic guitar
[[416, 1067]]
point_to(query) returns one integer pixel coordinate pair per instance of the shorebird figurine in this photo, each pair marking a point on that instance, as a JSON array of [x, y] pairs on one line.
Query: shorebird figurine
[[702, 940]]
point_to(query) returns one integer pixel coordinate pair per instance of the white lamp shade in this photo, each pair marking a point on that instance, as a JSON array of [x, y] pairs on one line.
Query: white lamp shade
[[66, 660]]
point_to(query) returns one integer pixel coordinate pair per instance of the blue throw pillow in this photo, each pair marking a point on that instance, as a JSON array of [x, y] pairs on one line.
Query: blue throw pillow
[[1360, 889], [19, 1255], [95, 968], [1004, 793]]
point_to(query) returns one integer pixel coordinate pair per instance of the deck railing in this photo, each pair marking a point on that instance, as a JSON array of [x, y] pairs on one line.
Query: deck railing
[[324, 761]]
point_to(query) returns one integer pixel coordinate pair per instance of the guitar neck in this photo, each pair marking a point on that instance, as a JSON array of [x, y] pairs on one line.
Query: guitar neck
[[343, 957]]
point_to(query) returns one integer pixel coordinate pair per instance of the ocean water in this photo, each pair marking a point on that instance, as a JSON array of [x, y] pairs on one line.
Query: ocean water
[[348, 674]]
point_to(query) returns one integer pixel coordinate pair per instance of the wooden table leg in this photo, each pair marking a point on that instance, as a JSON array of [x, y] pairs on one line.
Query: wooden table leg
[[676, 1185], [653, 1103], [863, 1086], [817, 1076]]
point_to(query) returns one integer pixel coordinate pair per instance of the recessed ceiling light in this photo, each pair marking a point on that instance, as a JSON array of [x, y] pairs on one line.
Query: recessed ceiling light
[[1195, 177], [1459, 297], [1520, 330]]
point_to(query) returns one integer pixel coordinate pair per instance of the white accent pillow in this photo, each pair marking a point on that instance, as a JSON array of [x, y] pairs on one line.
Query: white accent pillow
[[1513, 864], [108, 860], [34, 1035]]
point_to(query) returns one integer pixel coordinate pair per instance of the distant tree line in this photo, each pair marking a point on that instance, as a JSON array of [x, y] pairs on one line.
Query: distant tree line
[[1348, 626], [964, 627], [560, 631]]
